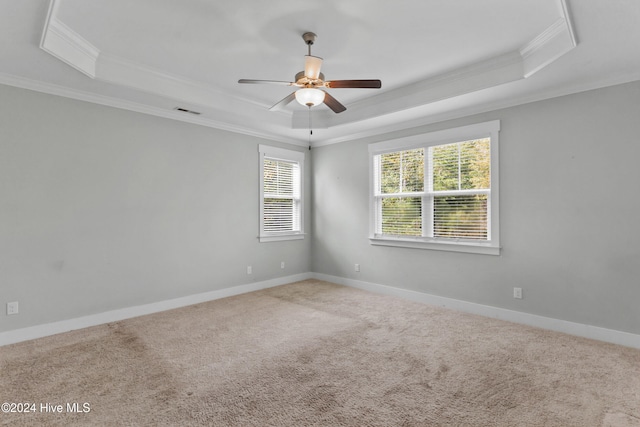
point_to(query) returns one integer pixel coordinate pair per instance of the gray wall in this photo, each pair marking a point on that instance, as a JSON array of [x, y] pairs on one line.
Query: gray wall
[[103, 209], [570, 215]]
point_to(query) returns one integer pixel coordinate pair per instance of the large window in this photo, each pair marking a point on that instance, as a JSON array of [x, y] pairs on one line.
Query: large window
[[281, 184], [437, 190]]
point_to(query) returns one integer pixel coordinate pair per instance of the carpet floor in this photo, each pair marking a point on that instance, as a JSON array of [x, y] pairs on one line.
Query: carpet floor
[[317, 354]]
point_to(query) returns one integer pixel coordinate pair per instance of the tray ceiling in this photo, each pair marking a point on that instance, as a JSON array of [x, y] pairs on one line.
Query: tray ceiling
[[436, 60]]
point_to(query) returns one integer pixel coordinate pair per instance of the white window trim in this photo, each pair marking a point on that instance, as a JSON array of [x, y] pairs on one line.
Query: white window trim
[[489, 129], [286, 155]]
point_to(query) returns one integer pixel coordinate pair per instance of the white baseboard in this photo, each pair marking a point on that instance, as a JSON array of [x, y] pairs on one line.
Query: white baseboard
[[39, 331], [578, 329], [572, 328]]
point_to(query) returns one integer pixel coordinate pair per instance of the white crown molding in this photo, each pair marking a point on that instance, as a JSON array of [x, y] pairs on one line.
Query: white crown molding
[[566, 14], [548, 46], [556, 40], [542, 50], [543, 38], [53, 89], [369, 131], [429, 118], [471, 78], [123, 72], [68, 46], [481, 75]]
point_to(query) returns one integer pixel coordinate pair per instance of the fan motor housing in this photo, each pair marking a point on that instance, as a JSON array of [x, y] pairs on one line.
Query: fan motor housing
[[307, 82]]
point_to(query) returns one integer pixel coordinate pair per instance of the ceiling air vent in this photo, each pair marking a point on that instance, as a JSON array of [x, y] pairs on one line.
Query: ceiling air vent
[[184, 110]]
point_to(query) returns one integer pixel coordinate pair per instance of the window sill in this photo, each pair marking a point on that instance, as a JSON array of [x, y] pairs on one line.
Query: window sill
[[281, 237], [486, 248]]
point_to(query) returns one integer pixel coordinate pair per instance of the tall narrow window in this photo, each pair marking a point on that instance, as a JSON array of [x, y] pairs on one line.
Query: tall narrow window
[[281, 178], [437, 191]]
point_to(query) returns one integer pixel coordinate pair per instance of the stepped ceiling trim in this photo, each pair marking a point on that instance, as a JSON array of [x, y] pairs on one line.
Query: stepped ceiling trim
[[67, 45], [451, 61]]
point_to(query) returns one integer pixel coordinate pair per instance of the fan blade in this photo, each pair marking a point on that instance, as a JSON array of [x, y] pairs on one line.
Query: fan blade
[[269, 82], [333, 103], [312, 65], [286, 100], [354, 84]]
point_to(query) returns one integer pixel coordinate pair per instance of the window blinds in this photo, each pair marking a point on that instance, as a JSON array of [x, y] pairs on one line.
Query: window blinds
[[400, 184], [281, 190], [445, 195], [460, 182]]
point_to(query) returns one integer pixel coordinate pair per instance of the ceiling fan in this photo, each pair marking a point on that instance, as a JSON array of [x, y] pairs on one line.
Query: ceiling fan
[[311, 79]]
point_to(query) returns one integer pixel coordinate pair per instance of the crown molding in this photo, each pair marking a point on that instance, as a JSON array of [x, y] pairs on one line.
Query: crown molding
[[481, 75], [123, 72], [428, 119], [68, 46], [558, 39], [555, 41], [548, 46], [379, 113], [65, 92], [370, 131]]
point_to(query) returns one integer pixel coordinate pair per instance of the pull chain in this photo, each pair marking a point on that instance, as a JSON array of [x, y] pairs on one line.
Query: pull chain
[[310, 128]]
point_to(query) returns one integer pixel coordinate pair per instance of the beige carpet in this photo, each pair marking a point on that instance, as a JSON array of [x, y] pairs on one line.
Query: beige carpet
[[318, 354]]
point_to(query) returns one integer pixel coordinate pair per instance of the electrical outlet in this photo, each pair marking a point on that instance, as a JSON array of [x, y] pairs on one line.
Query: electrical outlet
[[12, 308], [517, 293], [282, 264], [357, 267], [249, 269]]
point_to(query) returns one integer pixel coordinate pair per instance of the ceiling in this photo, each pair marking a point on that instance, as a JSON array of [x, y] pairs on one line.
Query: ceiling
[[437, 59]]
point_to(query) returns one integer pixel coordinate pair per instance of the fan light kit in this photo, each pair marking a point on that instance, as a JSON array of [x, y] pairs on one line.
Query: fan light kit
[[309, 96], [311, 79]]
